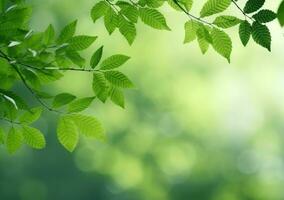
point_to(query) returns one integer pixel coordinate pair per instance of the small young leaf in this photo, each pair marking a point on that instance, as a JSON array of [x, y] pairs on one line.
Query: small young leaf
[[96, 58], [33, 137], [114, 61], [67, 133], [62, 99]]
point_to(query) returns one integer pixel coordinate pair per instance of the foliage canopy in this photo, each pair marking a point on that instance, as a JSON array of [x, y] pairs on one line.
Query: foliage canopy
[[39, 58]]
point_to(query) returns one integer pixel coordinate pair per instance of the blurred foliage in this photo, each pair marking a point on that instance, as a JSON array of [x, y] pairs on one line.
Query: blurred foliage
[[196, 128]]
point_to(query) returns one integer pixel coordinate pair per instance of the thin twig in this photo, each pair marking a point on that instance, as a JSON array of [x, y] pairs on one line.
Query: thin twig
[[14, 66], [192, 16], [238, 7]]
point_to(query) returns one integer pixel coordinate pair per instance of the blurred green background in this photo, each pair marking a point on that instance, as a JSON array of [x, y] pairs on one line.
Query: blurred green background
[[195, 128]]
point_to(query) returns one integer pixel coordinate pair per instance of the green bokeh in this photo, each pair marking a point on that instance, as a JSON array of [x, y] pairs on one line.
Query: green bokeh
[[195, 128]]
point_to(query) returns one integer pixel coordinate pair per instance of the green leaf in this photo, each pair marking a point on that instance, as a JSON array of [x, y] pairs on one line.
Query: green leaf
[[190, 30], [2, 136], [264, 16], [280, 14], [99, 10], [245, 32], [67, 133], [67, 32], [226, 21], [75, 57], [88, 126], [14, 140], [80, 104], [100, 86], [62, 99], [114, 61], [81, 42], [253, 6], [33, 137], [153, 18], [118, 79], [117, 96], [261, 35], [212, 7], [203, 43], [31, 116], [187, 4], [49, 35], [129, 11], [111, 20], [222, 43], [127, 29], [96, 58]]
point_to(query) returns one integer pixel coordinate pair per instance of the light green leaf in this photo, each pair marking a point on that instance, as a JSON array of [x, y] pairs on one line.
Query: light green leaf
[[67, 32], [127, 29], [190, 30], [96, 58], [49, 35], [62, 99], [33, 137], [114, 61], [118, 79], [203, 43], [153, 18], [111, 20], [222, 43], [67, 133], [31, 116], [129, 11], [100, 86], [212, 7], [80, 104], [81, 42], [226, 21], [117, 96], [99, 10], [88, 126], [14, 140]]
